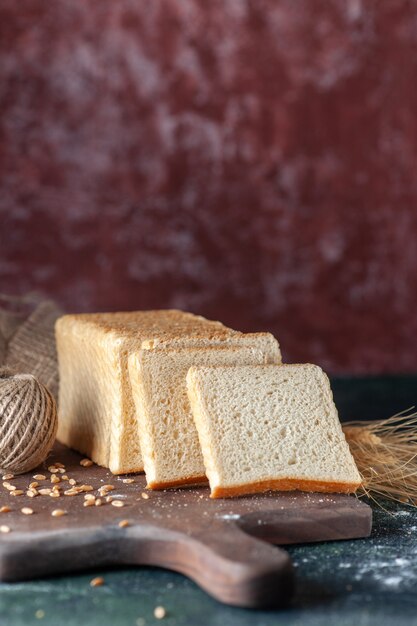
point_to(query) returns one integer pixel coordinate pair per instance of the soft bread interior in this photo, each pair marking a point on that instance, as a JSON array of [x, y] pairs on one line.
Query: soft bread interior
[[269, 427], [168, 437]]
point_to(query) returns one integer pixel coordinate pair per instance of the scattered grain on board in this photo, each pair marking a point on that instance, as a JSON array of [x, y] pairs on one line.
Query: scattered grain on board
[[8, 476], [106, 488], [58, 513], [39, 477], [86, 462], [124, 523], [145, 496], [117, 503], [4, 529], [16, 492], [5, 509], [27, 510], [97, 582]]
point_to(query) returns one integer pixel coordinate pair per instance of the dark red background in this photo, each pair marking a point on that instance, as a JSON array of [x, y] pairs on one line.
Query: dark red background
[[253, 161]]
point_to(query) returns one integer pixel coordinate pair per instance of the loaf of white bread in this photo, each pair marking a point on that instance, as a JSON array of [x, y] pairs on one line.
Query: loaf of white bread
[[185, 398], [104, 416], [267, 427]]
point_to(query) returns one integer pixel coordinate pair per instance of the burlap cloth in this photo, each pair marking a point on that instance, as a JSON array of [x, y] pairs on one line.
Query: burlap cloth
[[27, 338]]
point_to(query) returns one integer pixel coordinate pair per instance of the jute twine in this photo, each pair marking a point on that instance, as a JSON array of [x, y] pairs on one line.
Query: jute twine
[[28, 422], [28, 381]]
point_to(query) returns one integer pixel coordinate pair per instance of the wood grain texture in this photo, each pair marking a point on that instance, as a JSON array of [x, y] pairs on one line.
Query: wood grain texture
[[223, 545]]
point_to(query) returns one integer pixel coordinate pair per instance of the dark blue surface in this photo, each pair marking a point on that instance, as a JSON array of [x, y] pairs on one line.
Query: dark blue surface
[[367, 582]]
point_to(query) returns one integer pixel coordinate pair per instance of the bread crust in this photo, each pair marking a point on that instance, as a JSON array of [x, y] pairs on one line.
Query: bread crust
[[190, 480], [284, 484]]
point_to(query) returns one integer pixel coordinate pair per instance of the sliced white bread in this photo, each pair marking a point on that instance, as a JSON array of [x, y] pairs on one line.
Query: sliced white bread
[[96, 410], [167, 434], [265, 427]]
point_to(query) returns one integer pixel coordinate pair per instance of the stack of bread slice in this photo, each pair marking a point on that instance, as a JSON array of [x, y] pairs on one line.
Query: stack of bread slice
[[185, 399], [152, 430]]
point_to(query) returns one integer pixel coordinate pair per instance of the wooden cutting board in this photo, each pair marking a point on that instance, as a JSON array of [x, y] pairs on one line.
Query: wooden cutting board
[[223, 545]]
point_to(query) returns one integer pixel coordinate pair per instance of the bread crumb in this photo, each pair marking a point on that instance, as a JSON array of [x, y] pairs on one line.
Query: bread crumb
[[159, 612], [97, 582], [145, 496], [128, 481]]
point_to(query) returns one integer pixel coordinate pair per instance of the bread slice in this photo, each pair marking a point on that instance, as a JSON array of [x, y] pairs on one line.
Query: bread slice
[[168, 436], [96, 409], [267, 427]]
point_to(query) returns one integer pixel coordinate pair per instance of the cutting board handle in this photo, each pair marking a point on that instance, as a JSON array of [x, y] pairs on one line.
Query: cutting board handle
[[232, 566], [239, 569]]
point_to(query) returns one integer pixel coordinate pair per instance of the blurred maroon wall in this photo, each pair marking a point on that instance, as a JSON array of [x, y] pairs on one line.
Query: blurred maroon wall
[[253, 161]]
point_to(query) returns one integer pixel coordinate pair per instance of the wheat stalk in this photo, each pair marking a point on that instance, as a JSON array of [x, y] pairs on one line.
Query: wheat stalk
[[385, 452]]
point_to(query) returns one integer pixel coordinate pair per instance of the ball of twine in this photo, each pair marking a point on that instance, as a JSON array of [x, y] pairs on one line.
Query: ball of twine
[[28, 422]]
